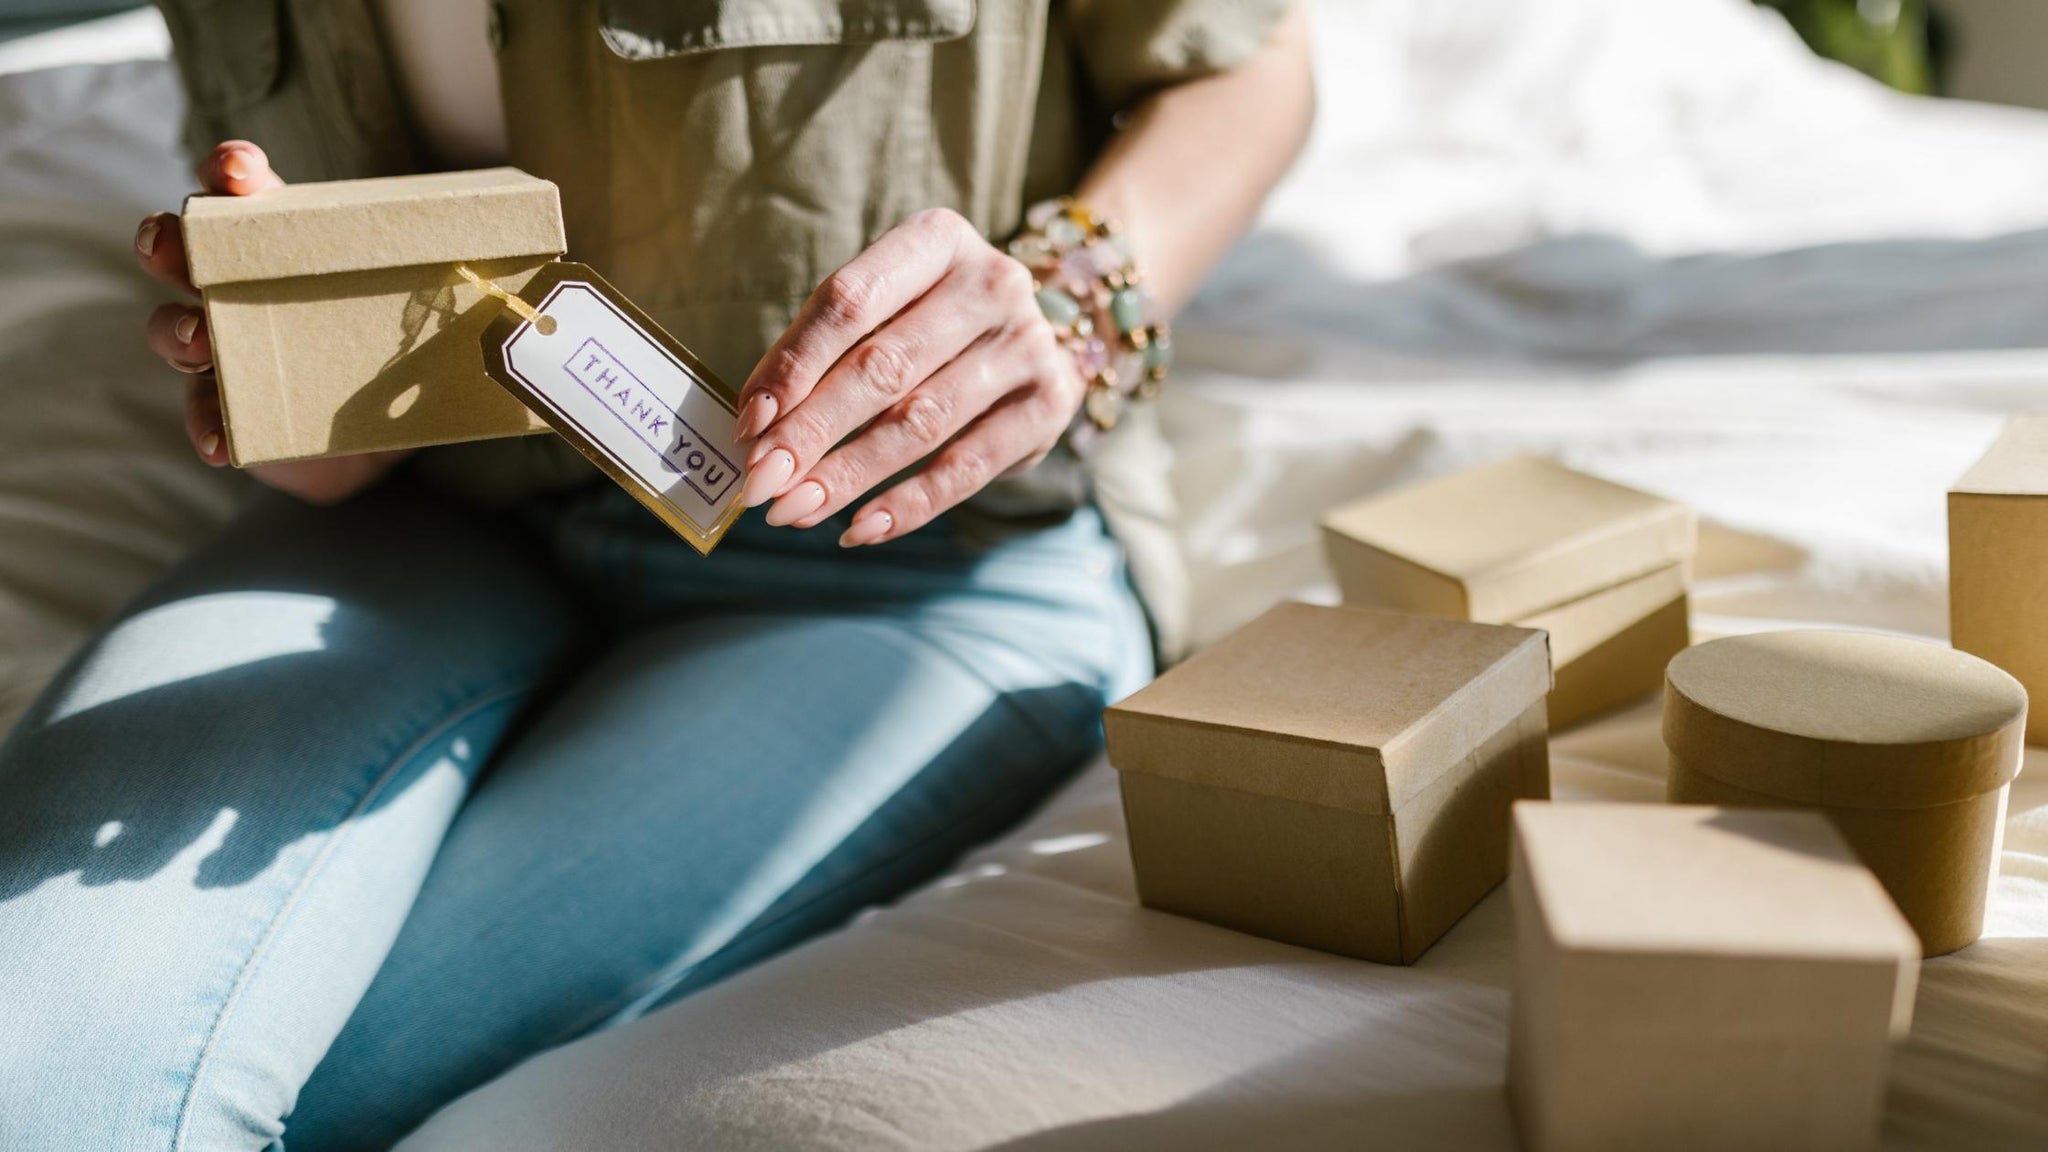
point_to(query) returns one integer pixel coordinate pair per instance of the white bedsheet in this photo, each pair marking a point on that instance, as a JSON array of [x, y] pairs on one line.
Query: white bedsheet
[[1657, 240]]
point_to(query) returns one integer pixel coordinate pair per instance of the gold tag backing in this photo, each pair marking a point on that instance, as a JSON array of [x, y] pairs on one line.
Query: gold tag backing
[[626, 393]]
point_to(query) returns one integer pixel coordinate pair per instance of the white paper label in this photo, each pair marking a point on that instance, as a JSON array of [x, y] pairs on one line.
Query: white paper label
[[601, 376]]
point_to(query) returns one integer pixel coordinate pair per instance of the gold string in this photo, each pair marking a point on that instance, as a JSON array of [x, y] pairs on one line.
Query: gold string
[[525, 311]]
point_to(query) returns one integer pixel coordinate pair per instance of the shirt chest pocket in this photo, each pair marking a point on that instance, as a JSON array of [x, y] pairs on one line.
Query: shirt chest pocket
[[653, 29]]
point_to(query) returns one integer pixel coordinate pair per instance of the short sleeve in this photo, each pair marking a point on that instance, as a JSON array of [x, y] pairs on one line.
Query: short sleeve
[[1130, 47]]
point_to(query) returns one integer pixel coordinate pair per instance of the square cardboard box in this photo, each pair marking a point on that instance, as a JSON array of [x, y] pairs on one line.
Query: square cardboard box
[[1696, 978], [1997, 558], [1601, 567], [1338, 778], [338, 321]]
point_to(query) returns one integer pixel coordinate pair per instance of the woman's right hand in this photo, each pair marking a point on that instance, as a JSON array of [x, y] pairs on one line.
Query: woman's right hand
[[177, 332]]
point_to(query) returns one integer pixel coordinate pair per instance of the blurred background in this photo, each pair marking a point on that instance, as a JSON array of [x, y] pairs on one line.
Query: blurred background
[[1974, 49]]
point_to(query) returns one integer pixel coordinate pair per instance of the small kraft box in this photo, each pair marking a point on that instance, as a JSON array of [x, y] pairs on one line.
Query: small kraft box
[[1908, 746], [1998, 561], [1337, 778], [1527, 541], [1697, 979], [339, 322]]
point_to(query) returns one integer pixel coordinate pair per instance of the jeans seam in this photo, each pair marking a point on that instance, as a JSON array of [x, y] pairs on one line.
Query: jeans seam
[[298, 890]]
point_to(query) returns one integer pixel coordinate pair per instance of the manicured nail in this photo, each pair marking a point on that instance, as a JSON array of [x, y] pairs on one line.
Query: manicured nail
[[209, 444], [755, 417], [192, 367], [868, 528], [145, 236], [185, 327], [766, 479], [234, 165], [802, 500]]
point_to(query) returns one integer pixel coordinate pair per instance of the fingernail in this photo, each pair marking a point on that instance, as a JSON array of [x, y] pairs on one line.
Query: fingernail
[[192, 368], [767, 479], [209, 444], [234, 166], [755, 417], [802, 500], [185, 327], [867, 528], [145, 236]]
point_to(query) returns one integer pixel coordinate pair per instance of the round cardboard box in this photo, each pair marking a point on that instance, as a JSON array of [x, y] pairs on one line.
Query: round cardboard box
[[1906, 744]]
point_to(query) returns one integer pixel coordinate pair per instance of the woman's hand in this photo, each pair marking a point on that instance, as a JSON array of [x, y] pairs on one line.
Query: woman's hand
[[177, 332], [928, 344]]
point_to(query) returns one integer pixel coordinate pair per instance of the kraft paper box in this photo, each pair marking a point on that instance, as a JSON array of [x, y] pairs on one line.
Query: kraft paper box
[[1601, 567], [1691, 979], [1611, 647], [1908, 746], [339, 322], [1997, 558], [1337, 778]]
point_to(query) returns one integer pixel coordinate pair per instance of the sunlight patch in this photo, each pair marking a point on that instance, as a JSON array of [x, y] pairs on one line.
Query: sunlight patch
[[1061, 845], [195, 637]]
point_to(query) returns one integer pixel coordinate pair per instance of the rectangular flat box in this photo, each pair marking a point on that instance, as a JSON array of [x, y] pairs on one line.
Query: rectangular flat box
[[1696, 978], [1998, 562], [338, 321], [1603, 568], [1337, 778], [1611, 647]]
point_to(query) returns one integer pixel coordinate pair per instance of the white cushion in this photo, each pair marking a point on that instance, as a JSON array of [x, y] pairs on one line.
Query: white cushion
[[99, 488]]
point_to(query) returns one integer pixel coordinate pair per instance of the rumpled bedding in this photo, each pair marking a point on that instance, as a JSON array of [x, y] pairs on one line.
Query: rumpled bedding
[[1659, 241]]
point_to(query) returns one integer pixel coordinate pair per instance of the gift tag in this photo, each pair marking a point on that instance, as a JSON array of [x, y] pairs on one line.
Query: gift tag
[[624, 392]]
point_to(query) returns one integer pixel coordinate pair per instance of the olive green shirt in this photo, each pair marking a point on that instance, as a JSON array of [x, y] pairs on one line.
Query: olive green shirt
[[718, 158]]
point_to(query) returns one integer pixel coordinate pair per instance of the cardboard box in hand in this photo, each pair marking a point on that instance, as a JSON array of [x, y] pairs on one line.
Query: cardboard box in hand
[[339, 322]]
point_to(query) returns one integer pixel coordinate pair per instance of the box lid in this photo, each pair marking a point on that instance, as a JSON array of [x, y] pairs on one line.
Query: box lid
[[1342, 707], [388, 222], [1510, 539], [1851, 719], [2016, 464], [1660, 879]]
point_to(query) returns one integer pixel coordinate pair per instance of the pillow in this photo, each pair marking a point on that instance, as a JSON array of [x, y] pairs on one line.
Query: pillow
[[98, 488]]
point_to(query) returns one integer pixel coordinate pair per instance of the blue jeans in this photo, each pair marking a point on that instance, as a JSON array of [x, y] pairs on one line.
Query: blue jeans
[[359, 806]]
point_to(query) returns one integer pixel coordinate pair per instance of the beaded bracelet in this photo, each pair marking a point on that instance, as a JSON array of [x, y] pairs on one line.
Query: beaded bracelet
[[1088, 286]]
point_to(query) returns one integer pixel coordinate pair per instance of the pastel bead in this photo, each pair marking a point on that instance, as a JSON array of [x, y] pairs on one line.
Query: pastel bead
[[1159, 351], [1092, 357], [1058, 307], [1032, 250], [1127, 309]]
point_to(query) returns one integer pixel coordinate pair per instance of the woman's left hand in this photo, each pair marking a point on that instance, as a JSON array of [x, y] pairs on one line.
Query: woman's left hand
[[928, 344]]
